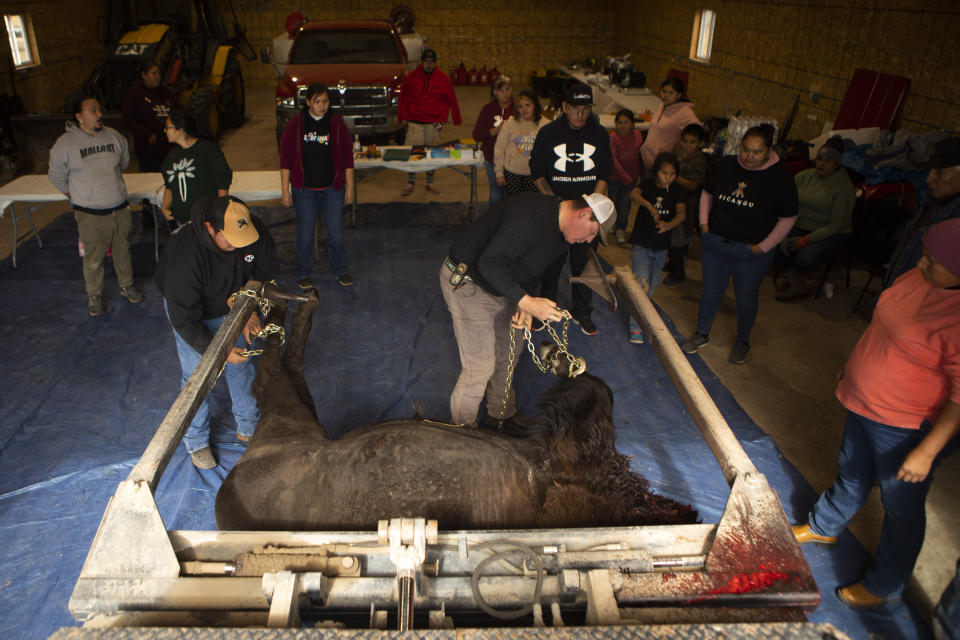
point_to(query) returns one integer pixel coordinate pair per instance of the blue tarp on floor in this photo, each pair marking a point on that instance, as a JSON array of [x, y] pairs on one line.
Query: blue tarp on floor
[[83, 396]]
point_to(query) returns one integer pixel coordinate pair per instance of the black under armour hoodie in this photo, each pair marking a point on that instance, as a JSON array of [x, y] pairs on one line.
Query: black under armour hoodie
[[572, 160]]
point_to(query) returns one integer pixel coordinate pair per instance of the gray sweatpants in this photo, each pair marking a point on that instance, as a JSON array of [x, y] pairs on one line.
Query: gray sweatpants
[[98, 234], [481, 324]]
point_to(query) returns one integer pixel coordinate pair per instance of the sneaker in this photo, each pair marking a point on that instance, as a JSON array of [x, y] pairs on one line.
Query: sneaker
[[132, 294], [621, 236], [636, 337], [305, 283], [407, 190], [740, 351], [345, 280], [432, 189], [675, 278], [696, 342], [96, 305], [586, 325], [203, 459]]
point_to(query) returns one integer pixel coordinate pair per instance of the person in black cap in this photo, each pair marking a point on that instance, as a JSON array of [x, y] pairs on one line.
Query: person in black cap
[[204, 263], [426, 100], [570, 158], [944, 183]]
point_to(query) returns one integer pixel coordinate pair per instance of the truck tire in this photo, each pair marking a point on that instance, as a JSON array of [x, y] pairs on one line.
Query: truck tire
[[232, 95], [203, 107]]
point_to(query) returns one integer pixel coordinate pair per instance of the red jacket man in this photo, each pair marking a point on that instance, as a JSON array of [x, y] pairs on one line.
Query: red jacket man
[[426, 99]]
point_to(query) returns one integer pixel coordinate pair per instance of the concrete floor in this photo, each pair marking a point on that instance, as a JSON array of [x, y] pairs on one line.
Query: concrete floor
[[787, 385]]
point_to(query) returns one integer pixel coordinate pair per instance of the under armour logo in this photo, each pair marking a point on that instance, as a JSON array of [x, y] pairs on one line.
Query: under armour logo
[[739, 192], [563, 157]]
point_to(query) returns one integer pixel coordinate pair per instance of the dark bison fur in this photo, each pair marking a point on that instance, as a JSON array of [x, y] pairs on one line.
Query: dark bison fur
[[565, 472]]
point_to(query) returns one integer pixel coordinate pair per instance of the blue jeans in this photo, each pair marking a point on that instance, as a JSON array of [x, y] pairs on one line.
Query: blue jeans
[[647, 265], [813, 255], [497, 193], [619, 193], [871, 450], [329, 203], [239, 378], [722, 259]]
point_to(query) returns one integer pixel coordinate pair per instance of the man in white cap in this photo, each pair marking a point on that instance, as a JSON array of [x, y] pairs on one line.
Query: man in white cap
[[204, 263], [490, 280]]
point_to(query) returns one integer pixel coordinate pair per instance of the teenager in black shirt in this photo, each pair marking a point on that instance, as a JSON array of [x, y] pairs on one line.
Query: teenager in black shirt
[[748, 205]]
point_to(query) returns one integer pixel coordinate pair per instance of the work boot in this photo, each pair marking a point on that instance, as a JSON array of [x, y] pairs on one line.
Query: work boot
[[857, 597], [96, 305], [203, 459], [804, 535], [132, 294]]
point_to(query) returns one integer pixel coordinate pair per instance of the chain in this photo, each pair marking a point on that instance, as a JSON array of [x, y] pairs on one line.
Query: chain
[[264, 304], [265, 333], [575, 368]]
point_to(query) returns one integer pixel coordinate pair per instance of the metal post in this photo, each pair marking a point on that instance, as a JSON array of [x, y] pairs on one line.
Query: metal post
[[160, 450], [725, 446]]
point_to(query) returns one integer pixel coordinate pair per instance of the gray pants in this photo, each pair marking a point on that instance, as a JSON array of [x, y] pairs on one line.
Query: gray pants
[[481, 324], [99, 233]]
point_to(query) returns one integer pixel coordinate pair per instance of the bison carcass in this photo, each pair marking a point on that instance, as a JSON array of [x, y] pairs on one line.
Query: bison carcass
[[565, 472]]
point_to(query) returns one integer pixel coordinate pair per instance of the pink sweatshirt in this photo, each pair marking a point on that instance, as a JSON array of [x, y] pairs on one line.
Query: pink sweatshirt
[[665, 127]]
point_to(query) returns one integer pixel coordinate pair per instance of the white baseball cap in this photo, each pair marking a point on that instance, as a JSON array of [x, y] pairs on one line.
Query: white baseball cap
[[604, 211]]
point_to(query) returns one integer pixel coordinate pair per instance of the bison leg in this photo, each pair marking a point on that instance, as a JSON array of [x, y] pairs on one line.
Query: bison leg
[[285, 404], [296, 346]]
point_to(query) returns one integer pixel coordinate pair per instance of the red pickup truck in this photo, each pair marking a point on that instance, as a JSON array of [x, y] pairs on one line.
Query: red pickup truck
[[362, 62]]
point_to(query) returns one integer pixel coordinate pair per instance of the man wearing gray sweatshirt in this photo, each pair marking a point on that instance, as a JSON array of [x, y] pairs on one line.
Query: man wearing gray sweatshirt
[[86, 164]]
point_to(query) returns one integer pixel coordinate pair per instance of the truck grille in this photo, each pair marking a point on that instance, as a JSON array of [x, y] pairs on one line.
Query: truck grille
[[353, 97]]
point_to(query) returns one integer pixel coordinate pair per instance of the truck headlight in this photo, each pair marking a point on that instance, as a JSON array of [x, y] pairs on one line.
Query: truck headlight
[[287, 103]]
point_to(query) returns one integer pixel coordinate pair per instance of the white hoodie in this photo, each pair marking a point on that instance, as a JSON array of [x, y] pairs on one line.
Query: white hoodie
[[90, 167]]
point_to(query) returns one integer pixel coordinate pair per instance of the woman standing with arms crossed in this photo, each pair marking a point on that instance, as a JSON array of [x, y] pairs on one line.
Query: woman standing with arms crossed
[[901, 388], [748, 205], [194, 169], [316, 175]]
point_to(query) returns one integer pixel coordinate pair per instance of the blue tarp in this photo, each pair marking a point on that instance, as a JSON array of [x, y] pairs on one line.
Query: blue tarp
[[83, 396]]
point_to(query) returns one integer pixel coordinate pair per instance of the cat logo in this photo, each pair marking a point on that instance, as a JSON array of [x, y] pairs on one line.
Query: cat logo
[[241, 223], [739, 191], [563, 157]]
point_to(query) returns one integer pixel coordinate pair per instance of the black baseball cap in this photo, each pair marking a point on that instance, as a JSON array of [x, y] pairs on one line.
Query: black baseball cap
[[428, 54], [946, 153], [578, 94]]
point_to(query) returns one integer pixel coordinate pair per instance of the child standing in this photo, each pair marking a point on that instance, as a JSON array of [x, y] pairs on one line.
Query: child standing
[[511, 153], [486, 131], [690, 176], [625, 144], [661, 209]]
